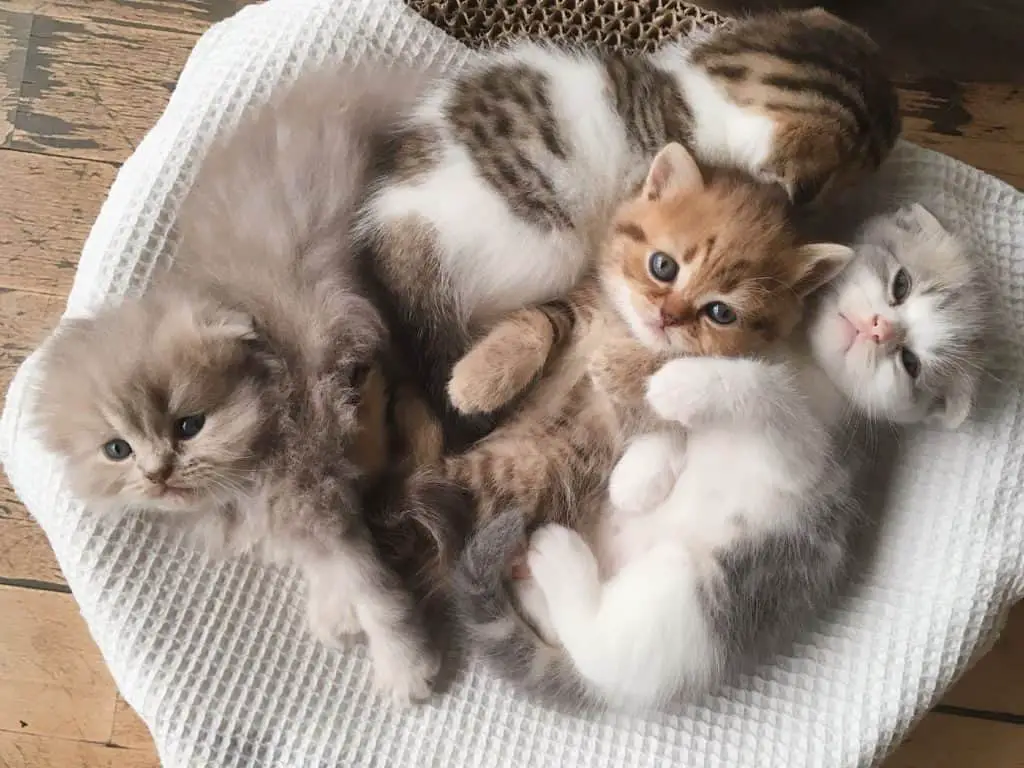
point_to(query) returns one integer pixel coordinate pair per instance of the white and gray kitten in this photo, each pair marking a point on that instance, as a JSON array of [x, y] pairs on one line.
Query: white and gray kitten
[[724, 537], [241, 396]]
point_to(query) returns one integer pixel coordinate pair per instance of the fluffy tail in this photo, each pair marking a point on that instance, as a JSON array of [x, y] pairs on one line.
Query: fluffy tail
[[496, 629]]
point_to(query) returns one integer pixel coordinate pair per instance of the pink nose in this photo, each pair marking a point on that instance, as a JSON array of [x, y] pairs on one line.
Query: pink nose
[[882, 330], [877, 328]]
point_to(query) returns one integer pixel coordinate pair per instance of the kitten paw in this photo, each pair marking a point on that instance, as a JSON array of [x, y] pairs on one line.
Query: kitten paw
[[404, 669], [644, 475], [561, 563], [494, 372], [332, 620], [678, 389]]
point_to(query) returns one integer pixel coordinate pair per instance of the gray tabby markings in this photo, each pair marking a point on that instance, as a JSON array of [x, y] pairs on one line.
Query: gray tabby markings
[[503, 116]]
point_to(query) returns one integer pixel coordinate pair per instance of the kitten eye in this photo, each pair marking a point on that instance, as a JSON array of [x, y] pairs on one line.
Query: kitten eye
[[189, 427], [117, 449], [911, 363], [720, 313], [900, 286], [663, 267]]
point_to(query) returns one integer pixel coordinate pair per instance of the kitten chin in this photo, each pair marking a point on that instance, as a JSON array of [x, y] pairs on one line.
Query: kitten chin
[[897, 332]]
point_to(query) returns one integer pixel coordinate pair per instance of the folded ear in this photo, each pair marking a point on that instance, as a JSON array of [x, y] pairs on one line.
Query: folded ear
[[915, 218], [820, 263], [673, 170], [953, 408], [224, 324]]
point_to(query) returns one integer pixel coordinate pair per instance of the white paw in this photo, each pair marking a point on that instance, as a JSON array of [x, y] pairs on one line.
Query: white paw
[[560, 561], [644, 475], [403, 668], [676, 392], [332, 619], [636, 495]]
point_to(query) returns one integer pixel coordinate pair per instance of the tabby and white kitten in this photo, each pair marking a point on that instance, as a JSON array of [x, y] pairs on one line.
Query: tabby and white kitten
[[690, 267], [503, 180], [723, 537], [244, 396]]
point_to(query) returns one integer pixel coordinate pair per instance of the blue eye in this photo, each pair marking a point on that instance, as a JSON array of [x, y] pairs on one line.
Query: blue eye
[[117, 449], [911, 363], [663, 267], [189, 427], [900, 286], [720, 313]]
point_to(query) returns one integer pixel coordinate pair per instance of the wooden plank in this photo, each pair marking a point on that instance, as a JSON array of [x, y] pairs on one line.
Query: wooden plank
[[24, 751], [14, 34], [49, 205], [129, 730], [53, 681], [980, 124], [942, 741], [182, 15], [25, 320], [996, 682], [25, 555], [988, 111], [92, 89]]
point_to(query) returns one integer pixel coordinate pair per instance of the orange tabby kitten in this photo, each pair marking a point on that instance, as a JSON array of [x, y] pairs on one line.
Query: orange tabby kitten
[[690, 268]]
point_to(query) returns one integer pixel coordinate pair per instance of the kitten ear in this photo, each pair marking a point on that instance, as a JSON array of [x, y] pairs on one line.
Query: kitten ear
[[672, 170], [916, 219], [821, 262], [228, 325], [952, 409]]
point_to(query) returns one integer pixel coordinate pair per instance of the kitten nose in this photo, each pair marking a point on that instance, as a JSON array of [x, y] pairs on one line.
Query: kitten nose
[[881, 329], [160, 474], [668, 319]]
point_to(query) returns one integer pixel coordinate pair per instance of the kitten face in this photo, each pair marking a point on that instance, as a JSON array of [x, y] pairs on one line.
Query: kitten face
[[898, 330], [710, 268], [162, 405]]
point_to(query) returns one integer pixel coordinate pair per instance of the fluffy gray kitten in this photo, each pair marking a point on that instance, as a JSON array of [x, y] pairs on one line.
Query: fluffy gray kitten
[[241, 395], [722, 537]]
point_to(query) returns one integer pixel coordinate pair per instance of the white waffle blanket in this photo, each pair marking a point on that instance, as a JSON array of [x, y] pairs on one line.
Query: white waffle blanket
[[215, 657]]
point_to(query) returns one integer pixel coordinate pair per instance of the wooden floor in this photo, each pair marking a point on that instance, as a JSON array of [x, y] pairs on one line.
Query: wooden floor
[[80, 82]]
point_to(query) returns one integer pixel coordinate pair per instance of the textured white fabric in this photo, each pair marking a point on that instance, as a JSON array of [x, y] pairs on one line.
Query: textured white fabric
[[214, 655]]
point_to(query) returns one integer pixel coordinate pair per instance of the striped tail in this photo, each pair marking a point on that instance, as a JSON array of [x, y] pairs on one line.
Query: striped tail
[[496, 630]]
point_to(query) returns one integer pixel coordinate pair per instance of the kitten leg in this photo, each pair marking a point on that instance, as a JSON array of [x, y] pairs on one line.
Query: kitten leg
[[644, 475], [565, 571], [640, 637], [692, 389], [404, 664], [508, 358], [329, 610]]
